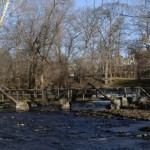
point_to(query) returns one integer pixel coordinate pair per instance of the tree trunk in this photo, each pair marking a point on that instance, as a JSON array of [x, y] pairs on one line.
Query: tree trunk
[[33, 70], [106, 72]]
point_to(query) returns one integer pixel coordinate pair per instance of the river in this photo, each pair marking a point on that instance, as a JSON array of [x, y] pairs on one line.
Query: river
[[62, 130]]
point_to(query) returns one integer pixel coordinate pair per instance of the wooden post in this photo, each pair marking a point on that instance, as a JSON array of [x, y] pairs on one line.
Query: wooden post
[[9, 92], [125, 91], [17, 95], [49, 93], [2, 97], [23, 94], [68, 94], [43, 94], [58, 92], [35, 94], [83, 95], [71, 94], [96, 93], [138, 92]]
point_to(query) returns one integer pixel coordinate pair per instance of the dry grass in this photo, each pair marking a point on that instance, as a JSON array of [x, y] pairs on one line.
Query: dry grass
[[123, 82], [129, 82], [116, 82]]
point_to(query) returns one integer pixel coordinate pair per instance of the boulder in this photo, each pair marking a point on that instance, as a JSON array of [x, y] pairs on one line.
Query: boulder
[[134, 99], [141, 102], [147, 129], [116, 104]]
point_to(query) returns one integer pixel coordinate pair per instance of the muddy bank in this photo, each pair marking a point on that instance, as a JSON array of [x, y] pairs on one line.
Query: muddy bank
[[118, 114]]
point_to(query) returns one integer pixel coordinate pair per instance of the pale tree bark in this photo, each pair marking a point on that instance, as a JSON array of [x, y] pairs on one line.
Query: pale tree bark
[[6, 6]]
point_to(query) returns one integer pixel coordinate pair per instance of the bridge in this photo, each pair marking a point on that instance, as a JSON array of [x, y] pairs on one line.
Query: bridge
[[21, 99]]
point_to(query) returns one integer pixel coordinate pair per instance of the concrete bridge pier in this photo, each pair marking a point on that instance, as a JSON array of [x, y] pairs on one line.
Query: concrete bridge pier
[[65, 103], [119, 103], [115, 104], [22, 106]]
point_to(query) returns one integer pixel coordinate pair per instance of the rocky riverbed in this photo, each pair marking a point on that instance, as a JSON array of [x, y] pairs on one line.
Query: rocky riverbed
[[134, 114], [123, 114]]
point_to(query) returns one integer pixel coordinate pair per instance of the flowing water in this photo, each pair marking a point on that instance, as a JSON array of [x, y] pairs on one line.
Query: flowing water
[[65, 131]]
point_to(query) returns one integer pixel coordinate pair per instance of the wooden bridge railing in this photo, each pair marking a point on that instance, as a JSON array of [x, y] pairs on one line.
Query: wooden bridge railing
[[29, 94], [21, 94]]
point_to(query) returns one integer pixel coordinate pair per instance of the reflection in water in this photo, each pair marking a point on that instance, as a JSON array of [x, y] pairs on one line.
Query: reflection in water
[[65, 131]]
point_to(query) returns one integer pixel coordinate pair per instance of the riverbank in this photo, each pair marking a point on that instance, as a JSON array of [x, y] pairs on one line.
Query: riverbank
[[133, 114]]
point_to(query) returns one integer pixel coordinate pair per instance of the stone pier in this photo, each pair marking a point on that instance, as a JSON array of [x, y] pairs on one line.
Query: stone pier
[[64, 104]]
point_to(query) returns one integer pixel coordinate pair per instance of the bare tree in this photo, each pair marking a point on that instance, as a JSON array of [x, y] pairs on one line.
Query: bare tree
[[142, 23], [110, 30], [40, 37]]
